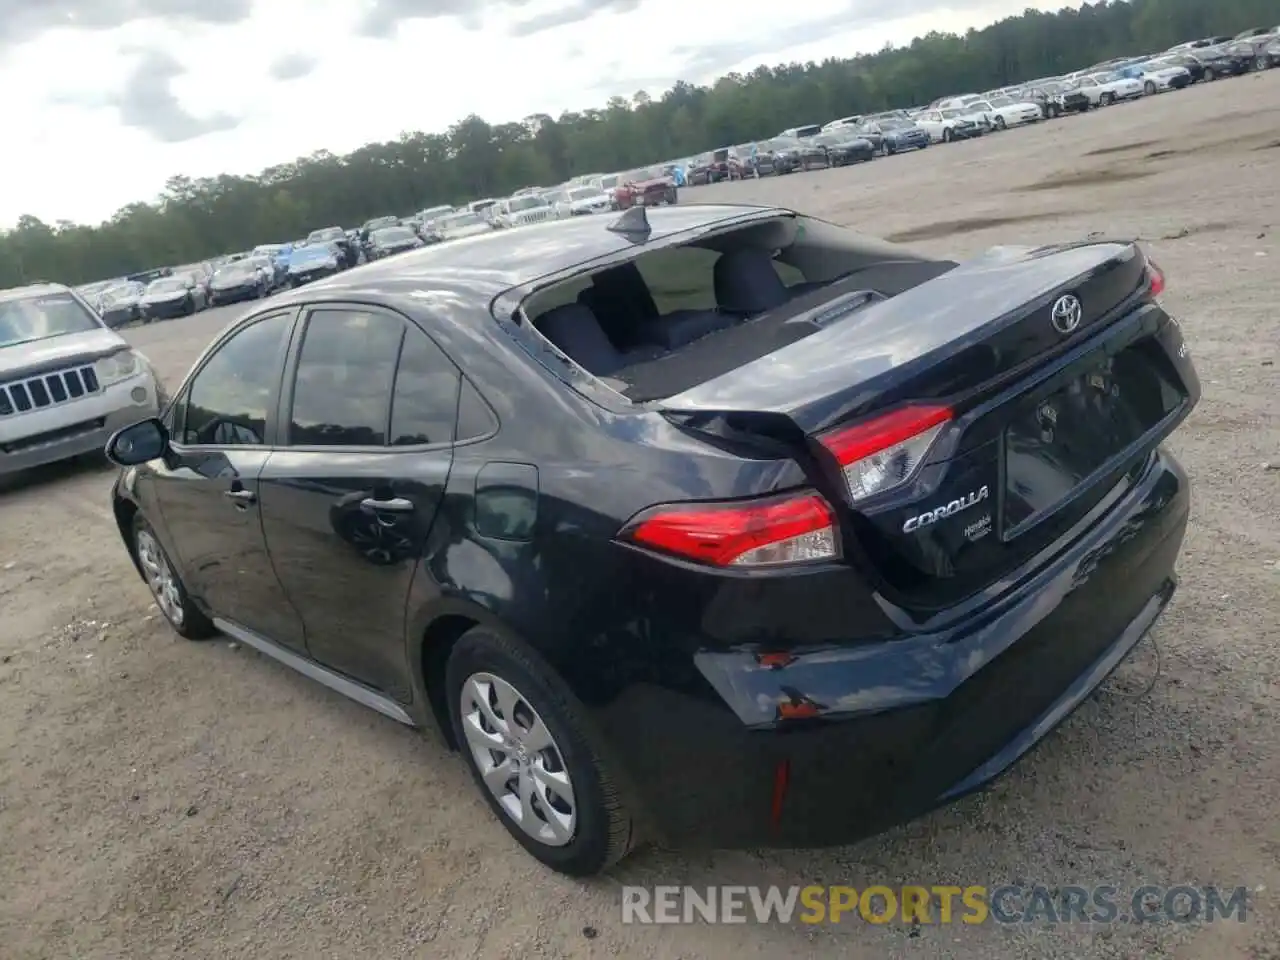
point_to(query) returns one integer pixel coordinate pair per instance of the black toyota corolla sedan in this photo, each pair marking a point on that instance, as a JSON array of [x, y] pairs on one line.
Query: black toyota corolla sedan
[[717, 524]]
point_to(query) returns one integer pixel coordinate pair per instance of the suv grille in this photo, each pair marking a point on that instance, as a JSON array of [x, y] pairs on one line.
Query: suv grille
[[47, 390]]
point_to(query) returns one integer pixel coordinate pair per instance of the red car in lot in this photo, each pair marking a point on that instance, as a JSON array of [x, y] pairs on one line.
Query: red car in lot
[[646, 188]]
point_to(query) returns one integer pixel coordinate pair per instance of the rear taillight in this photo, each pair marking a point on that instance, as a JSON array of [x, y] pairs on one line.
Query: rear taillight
[[883, 453], [773, 531], [1155, 279]]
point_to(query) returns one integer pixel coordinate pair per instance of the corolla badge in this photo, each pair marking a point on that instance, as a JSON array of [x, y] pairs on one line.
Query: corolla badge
[[972, 499], [1066, 314]]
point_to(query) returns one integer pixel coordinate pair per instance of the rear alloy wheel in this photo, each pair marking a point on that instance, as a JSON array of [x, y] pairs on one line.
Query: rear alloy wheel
[[530, 751], [947, 135], [1262, 63], [166, 586], [1000, 123], [1149, 88]]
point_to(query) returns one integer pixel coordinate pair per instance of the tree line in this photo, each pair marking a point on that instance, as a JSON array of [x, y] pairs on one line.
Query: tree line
[[198, 218]]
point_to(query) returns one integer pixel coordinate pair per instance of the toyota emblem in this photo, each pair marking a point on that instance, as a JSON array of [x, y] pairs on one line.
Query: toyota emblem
[[1066, 314]]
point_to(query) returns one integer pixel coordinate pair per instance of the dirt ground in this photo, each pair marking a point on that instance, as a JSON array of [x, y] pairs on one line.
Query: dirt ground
[[160, 798]]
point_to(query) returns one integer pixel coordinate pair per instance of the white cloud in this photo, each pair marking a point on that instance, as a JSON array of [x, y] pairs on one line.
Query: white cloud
[[68, 91]]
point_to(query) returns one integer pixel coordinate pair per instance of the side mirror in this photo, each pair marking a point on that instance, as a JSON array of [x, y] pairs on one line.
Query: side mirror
[[138, 443]]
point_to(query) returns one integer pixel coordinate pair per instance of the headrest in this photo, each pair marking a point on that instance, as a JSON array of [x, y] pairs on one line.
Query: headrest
[[747, 283]]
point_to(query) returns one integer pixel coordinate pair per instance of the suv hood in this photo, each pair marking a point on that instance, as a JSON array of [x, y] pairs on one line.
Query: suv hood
[[651, 182], [55, 352]]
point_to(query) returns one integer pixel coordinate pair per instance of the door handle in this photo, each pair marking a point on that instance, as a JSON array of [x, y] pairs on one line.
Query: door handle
[[240, 496], [394, 505]]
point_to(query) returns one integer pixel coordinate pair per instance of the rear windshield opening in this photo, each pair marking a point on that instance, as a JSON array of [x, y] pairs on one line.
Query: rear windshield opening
[[675, 317]]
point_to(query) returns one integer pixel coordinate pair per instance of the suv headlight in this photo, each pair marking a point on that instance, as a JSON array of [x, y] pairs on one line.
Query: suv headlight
[[117, 367]]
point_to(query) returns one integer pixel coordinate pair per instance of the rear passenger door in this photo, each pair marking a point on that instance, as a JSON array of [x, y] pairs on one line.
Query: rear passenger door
[[367, 416]]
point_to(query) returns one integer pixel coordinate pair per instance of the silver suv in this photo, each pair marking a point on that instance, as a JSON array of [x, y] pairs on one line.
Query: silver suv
[[67, 381]]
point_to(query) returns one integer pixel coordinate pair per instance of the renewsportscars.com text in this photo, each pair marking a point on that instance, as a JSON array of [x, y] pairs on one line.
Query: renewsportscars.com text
[[938, 904]]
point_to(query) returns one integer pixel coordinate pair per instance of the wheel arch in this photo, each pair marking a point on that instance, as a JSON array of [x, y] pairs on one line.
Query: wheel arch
[[432, 633], [124, 511]]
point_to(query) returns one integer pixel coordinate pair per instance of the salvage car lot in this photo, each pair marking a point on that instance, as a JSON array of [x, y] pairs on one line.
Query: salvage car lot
[[159, 797]]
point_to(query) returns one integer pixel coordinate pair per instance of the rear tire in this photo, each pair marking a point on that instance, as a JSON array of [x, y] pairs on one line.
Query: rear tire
[[560, 802], [947, 135], [1107, 99], [167, 589], [1000, 123], [1149, 89]]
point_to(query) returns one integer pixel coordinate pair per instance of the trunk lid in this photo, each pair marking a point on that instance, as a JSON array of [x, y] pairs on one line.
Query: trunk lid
[[978, 321], [1046, 422]]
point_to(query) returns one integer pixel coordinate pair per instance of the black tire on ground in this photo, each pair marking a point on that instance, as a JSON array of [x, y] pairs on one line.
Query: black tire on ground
[[604, 832], [947, 135], [195, 625], [1000, 123], [1149, 88]]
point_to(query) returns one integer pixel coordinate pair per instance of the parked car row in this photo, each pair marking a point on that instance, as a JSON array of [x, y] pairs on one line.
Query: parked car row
[[964, 117]]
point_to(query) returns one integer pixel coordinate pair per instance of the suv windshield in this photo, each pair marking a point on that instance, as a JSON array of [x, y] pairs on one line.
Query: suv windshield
[[312, 251], [121, 292], [38, 318], [392, 235]]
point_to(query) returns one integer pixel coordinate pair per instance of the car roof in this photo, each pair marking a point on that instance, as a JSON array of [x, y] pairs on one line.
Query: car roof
[[490, 264]]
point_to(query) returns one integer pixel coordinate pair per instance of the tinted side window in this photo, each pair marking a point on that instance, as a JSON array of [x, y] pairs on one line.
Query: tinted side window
[[425, 405], [342, 389], [230, 397]]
